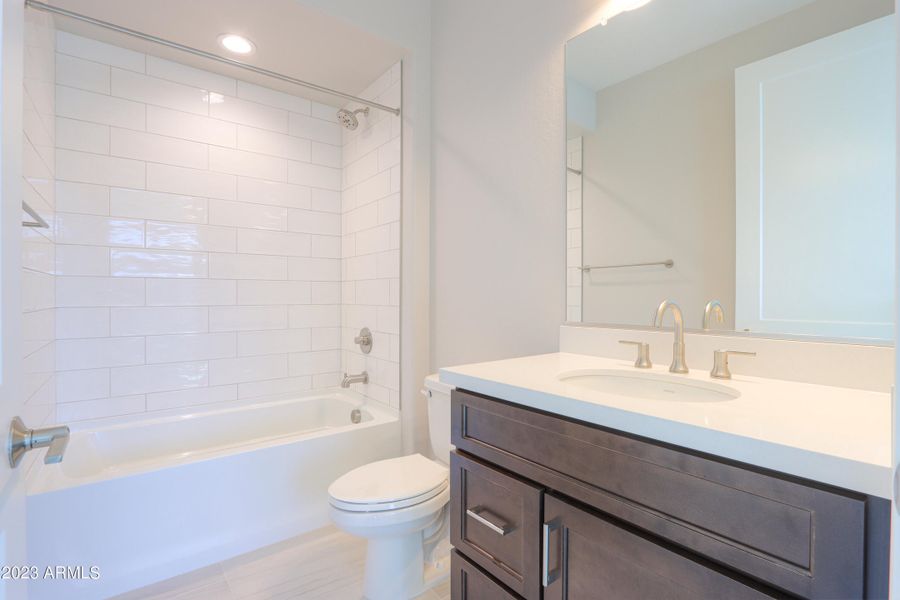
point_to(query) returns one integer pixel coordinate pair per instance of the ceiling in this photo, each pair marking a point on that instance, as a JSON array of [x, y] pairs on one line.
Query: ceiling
[[291, 39], [637, 41]]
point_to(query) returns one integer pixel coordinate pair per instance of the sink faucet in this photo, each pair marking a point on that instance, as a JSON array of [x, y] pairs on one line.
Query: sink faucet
[[360, 378], [678, 363], [713, 308]]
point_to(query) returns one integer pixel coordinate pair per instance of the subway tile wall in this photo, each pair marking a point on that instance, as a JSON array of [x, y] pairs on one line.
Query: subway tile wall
[[370, 241], [199, 237], [38, 254], [574, 275]]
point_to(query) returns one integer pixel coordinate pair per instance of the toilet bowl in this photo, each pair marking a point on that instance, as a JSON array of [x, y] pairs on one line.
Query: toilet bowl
[[399, 506]]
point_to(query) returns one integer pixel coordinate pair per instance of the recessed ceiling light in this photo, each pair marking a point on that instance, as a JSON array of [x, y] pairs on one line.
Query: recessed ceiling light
[[236, 43]]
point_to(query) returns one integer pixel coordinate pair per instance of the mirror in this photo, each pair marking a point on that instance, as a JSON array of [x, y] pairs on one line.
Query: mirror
[[741, 151]]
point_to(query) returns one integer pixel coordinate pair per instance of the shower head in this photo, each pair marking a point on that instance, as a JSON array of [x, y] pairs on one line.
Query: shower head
[[348, 118]]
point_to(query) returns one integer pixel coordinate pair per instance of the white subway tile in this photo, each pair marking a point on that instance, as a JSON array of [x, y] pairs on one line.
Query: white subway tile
[[388, 319], [326, 246], [270, 97], [83, 198], [373, 188], [179, 73], [314, 175], [257, 241], [388, 264], [389, 209], [82, 260], [88, 49], [72, 386], [191, 397], [311, 363], [158, 263], [242, 266], [190, 182], [311, 221], [273, 387], [325, 154], [250, 113], [72, 355], [242, 214], [361, 267], [145, 320], [373, 291], [326, 338], [141, 204], [255, 343], [361, 169], [158, 378], [249, 164], [314, 269], [98, 108], [190, 292], [99, 409], [364, 217], [318, 130], [325, 201], [314, 315], [187, 347], [72, 323], [258, 191], [98, 231], [158, 148], [191, 237], [325, 292], [98, 169], [83, 74], [389, 155], [81, 135], [99, 291], [150, 90], [272, 143], [187, 126], [273, 292], [247, 318], [323, 111], [238, 370], [37, 291]]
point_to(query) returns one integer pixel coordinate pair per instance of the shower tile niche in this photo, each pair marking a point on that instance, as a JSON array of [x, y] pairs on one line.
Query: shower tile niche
[[216, 239]]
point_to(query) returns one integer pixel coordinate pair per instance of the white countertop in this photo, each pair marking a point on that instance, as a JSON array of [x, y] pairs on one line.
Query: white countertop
[[839, 436]]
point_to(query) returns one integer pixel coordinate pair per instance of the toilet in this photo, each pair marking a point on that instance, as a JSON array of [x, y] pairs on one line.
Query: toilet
[[399, 506]]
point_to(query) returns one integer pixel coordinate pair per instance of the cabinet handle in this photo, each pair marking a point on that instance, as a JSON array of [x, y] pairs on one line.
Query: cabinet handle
[[547, 577], [501, 528]]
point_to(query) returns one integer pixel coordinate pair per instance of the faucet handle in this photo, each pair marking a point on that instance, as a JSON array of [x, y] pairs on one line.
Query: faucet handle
[[643, 356], [720, 368]]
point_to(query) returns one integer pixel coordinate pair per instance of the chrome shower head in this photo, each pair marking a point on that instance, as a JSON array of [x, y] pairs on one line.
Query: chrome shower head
[[348, 118]]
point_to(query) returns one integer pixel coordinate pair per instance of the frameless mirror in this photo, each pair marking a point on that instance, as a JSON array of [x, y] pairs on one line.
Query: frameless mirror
[[741, 151]]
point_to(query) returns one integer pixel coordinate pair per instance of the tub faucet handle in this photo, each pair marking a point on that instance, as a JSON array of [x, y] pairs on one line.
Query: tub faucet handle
[[22, 439]]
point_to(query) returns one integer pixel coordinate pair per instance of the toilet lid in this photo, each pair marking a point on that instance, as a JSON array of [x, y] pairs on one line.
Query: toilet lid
[[389, 484]]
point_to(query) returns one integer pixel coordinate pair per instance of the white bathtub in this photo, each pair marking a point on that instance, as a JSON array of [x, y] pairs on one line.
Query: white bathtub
[[145, 499]]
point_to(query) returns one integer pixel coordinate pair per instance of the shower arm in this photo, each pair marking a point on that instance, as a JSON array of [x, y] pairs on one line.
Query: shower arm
[[203, 54]]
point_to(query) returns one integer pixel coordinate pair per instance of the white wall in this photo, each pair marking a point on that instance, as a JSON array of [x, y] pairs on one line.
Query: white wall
[[198, 235]]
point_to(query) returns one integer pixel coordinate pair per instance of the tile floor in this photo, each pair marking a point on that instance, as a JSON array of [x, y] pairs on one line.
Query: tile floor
[[326, 564]]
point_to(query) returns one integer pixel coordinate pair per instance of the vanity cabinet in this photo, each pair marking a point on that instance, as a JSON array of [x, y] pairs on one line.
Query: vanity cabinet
[[550, 507]]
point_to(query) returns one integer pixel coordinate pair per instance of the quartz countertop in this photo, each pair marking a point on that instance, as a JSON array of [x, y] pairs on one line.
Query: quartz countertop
[[834, 435]]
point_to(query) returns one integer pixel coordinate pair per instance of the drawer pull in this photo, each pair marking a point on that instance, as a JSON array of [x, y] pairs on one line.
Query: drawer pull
[[546, 576], [501, 528]]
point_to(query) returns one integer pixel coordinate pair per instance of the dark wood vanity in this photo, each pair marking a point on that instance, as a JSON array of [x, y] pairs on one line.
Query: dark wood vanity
[[547, 507]]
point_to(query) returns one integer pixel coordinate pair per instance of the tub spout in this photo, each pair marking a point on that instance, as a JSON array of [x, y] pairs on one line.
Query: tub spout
[[22, 439], [360, 378]]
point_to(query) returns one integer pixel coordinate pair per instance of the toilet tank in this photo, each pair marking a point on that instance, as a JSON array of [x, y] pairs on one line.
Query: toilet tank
[[438, 395]]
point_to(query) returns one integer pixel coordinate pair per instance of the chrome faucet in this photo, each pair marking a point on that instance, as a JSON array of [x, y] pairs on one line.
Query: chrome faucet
[[678, 363], [360, 378], [22, 439], [713, 308]]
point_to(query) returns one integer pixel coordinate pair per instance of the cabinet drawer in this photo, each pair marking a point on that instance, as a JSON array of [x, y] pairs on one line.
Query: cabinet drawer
[[590, 557], [495, 521], [805, 539], [468, 582]]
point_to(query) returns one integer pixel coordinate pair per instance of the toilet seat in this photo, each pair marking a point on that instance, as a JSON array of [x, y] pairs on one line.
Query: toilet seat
[[389, 484]]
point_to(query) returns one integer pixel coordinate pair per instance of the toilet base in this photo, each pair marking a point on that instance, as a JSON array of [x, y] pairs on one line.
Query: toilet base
[[395, 568]]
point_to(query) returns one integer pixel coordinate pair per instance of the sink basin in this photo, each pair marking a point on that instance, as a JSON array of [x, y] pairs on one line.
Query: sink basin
[[649, 386]]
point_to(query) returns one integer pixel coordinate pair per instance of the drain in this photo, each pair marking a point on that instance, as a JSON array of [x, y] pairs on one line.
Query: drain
[[355, 416]]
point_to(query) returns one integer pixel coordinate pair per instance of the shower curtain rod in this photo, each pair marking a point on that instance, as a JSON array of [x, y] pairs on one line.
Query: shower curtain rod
[[202, 53]]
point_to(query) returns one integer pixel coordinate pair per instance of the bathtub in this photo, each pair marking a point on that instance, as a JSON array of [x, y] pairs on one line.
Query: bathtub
[[147, 498]]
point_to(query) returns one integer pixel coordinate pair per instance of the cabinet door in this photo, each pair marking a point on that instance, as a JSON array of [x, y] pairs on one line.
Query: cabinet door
[[589, 557]]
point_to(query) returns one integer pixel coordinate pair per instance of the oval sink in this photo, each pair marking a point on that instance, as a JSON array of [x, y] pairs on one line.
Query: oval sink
[[648, 386]]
